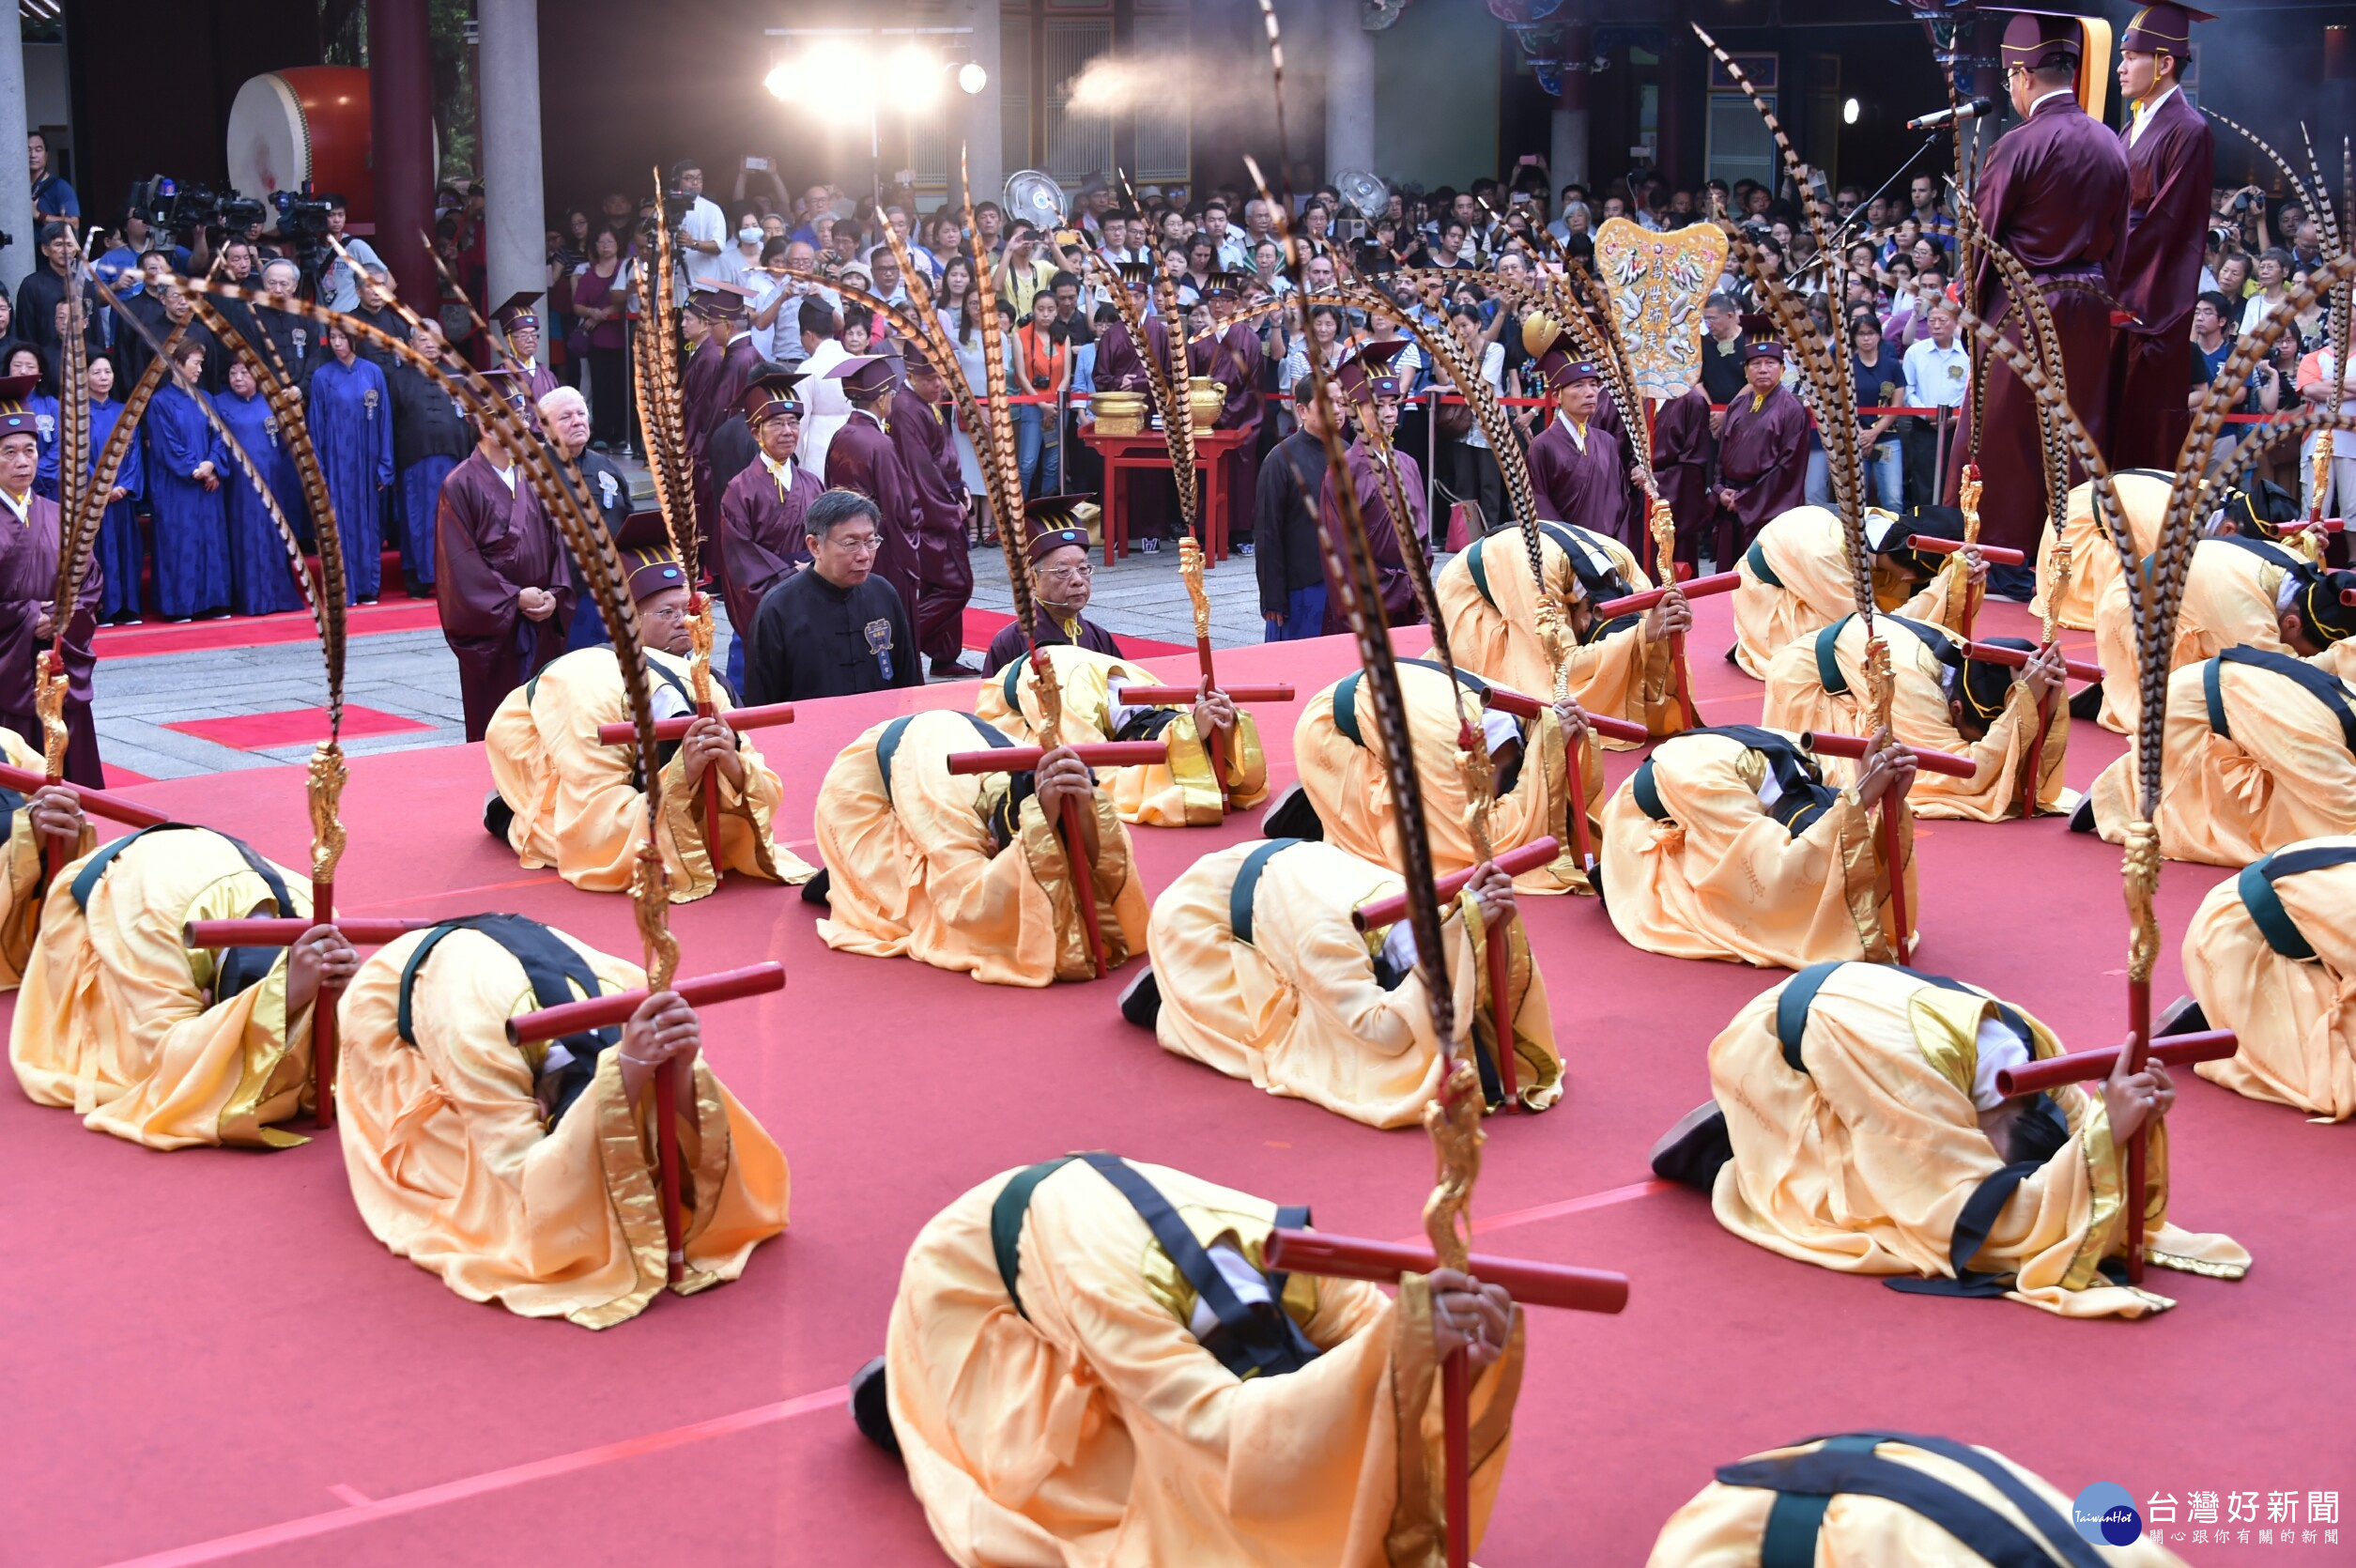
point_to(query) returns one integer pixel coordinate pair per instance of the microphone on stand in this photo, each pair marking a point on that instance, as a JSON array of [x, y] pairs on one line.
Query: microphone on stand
[[1970, 110]]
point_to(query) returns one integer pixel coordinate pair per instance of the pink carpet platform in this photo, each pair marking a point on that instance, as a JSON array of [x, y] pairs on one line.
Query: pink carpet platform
[[211, 1360]]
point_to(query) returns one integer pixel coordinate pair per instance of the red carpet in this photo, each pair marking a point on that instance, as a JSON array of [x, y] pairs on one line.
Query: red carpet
[[983, 624], [223, 1365], [260, 631], [293, 726]]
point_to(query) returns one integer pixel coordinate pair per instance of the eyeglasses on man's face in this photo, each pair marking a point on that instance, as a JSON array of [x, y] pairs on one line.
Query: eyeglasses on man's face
[[857, 544], [1069, 574]]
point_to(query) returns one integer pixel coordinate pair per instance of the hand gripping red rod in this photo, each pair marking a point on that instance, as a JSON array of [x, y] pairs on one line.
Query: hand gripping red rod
[[2082, 1066], [675, 728]]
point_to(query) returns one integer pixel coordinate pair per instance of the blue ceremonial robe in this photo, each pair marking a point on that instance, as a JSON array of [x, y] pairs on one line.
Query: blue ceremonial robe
[[43, 408], [122, 553], [351, 425], [262, 579], [192, 522], [421, 504]]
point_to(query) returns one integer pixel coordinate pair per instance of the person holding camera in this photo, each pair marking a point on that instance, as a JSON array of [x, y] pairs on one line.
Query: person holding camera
[[702, 237], [1044, 348]]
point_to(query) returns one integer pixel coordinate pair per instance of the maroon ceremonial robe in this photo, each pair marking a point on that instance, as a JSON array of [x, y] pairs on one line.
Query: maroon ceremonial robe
[[1233, 358], [762, 538], [1399, 608], [944, 573], [28, 576], [1581, 478], [2054, 193], [489, 545], [1632, 498], [538, 382], [2168, 172], [725, 377], [1681, 466], [1761, 457], [863, 457], [1008, 645], [1118, 366]]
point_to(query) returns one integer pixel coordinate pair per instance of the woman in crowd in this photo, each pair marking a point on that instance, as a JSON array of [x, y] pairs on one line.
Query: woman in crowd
[[351, 425], [24, 359], [1473, 476], [1326, 337], [184, 463], [261, 578], [601, 291], [2273, 286], [1202, 260], [570, 254], [963, 325]]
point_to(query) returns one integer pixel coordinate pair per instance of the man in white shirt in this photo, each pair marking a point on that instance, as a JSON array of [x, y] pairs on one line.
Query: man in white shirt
[[703, 238], [1938, 376], [823, 405], [340, 286], [1234, 254]]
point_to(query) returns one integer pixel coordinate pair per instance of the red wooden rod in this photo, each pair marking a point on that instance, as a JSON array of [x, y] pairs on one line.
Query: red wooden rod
[[598, 1012], [2084, 1067], [96, 802], [1528, 857], [1216, 742], [1502, 1011], [2138, 1050], [2329, 525], [1988, 653], [2348, 595], [1456, 1440], [671, 729], [1699, 588], [1505, 700], [1995, 555], [323, 1034], [1856, 746], [1281, 691], [666, 1171], [1024, 758], [270, 932], [1534, 1285]]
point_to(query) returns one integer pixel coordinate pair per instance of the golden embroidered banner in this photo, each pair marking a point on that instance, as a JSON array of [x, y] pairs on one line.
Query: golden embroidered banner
[[1657, 284]]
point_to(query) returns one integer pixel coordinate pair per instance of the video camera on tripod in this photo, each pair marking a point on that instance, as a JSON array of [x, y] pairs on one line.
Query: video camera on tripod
[[180, 210]]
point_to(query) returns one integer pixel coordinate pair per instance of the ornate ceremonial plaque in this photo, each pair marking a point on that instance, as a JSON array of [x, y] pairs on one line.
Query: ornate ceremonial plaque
[[1658, 283]]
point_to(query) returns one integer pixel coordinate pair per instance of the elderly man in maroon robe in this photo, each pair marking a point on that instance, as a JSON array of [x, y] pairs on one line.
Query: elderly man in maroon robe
[[927, 452], [30, 537], [2171, 154], [519, 329], [1763, 447], [1681, 466], [762, 538], [499, 575], [1233, 359], [863, 457], [712, 386], [2054, 193], [1579, 471], [1370, 392]]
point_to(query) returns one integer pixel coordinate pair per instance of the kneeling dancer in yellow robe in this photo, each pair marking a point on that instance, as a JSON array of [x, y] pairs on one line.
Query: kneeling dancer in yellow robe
[[966, 873], [1344, 796], [2142, 503], [527, 1174], [1930, 1502], [33, 820], [1259, 972], [2259, 751], [1856, 1123], [1727, 844], [1941, 700], [2271, 956], [1179, 793], [563, 800], [1619, 667], [1795, 577], [1088, 1365], [152, 1040]]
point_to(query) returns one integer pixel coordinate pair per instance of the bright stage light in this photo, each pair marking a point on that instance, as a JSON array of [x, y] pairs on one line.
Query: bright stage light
[[911, 76], [971, 78], [1849, 112], [783, 81]]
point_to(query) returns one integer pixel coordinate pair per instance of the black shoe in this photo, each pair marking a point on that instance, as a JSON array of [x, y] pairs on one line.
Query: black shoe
[[1691, 1152], [497, 815], [1141, 1001], [2081, 820], [814, 891], [870, 1411], [2183, 1017], [2087, 702], [1292, 815], [954, 671]]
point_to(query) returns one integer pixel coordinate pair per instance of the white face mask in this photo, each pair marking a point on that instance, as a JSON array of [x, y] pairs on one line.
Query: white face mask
[[748, 237]]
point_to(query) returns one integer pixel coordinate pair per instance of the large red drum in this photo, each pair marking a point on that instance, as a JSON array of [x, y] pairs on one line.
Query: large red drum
[[309, 122]]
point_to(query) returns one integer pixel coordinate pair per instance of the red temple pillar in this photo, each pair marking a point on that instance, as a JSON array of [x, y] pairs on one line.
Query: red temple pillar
[[401, 132]]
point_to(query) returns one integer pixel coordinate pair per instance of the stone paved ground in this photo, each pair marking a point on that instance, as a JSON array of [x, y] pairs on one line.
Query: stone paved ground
[[412, 675]]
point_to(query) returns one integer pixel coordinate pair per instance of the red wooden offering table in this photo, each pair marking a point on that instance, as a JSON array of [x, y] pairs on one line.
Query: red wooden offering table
[[1149, 450]]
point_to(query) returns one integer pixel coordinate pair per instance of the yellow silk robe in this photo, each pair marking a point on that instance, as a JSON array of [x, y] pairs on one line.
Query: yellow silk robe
[[1097, 1432], [1296, 1008], [578, 809], [1484, 595], [116, 1018], [1862, 1162], [2143, 499], [21, 882], [2228, 601], [1804, 550], [2286, 774], [452, 1166], [1348, 785], [1724, 1527], [1721, 879], [1180, 793], [1918, 716], [916, 873], [2296, 1017]]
